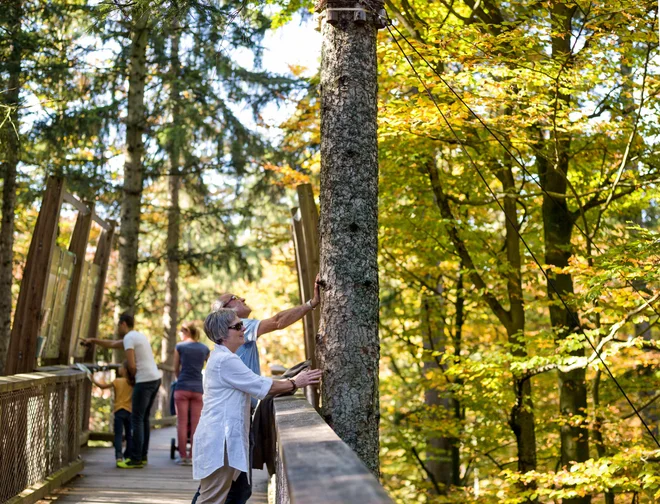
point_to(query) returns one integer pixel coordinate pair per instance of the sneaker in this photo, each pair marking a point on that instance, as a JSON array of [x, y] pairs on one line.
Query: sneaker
[[144, 461], [187, 462], [130, 464], [119, 461]]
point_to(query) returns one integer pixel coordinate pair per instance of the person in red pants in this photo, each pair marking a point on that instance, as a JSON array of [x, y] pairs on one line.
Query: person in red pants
[[189, 358]]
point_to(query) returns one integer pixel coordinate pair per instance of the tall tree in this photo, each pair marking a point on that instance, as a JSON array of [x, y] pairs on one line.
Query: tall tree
[[348, 227], [129, 230], [11, 20], [174, 140], [553, 162]]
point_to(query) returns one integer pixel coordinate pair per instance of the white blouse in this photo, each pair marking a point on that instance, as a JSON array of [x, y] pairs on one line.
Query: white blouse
[[225, 420]]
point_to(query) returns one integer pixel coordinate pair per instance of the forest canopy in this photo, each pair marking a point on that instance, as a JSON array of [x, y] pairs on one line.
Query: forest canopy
[[518, 212]]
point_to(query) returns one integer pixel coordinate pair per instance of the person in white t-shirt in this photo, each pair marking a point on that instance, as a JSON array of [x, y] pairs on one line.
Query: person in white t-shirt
[[142, 365]]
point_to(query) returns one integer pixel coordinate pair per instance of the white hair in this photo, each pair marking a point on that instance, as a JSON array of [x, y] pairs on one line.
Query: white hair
[[216, 325]]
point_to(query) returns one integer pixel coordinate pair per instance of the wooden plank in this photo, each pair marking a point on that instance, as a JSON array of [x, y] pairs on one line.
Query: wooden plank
[[82, 208], [78, 246], [303, 285], [28, 380], [21, 355], [320, 467], [162, 481], [310, 228], [102, 259], [305, 294], [40, 490]]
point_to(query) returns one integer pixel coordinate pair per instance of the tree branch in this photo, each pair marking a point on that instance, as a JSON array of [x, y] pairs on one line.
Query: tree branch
[[450, 223]]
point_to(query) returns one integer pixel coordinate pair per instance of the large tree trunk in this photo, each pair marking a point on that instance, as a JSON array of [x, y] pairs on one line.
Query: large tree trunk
[[348, 337], [558, 228], [442, 453], [10, 147], [133, 168], [170, 312]]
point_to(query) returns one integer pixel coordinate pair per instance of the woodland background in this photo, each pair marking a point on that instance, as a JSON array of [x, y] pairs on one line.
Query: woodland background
[[490, 388]]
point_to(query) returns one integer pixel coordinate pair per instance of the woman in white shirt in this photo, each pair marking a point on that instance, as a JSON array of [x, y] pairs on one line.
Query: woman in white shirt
[[220, 447]]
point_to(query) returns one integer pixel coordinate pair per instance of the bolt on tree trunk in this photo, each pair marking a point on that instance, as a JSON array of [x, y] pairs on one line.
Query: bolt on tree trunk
[[133, 170], [348, 343]]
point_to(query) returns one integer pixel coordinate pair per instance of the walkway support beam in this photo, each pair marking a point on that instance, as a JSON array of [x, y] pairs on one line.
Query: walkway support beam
[[22, 353]]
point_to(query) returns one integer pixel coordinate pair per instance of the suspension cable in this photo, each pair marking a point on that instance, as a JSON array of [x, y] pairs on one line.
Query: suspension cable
[[514, 225], [388, 22]]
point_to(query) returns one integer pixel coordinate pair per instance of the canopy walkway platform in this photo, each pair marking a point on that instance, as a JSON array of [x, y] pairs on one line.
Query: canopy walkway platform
[[44, 429], [46, 399], [161, 481]]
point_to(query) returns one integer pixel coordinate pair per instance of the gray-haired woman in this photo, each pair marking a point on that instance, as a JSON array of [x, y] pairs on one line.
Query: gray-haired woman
[[220, 448]]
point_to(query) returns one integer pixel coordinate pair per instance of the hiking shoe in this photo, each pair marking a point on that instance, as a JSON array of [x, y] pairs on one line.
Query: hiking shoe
[[130, 464]]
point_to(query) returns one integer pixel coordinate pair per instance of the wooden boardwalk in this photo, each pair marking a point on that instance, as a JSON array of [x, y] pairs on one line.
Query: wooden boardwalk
[[161, 482]]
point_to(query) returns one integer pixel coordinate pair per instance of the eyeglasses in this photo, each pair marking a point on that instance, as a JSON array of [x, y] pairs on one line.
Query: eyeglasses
[[237, 327], [224, 305]]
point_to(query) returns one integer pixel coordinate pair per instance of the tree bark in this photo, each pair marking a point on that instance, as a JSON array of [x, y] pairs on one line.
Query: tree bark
[[348, 342], [558, 228], [441, 450], [170, 312], [513, 320], [522, 413], [133, 168], [11, 147]]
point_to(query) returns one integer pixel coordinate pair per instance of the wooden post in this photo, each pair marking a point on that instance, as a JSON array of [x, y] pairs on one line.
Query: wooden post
[[101, 258], [21, 357], [78, 246], [310, 227], [305, 294]]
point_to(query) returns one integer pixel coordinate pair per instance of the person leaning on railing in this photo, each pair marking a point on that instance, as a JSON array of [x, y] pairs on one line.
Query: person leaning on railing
[[220, 447]]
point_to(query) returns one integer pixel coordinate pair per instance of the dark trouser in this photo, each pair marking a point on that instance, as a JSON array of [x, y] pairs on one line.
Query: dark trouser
[[144, 394], [122, 424], [241, 489]]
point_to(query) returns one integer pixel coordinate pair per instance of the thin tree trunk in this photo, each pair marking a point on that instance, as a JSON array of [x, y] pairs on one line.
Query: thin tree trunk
[[458, 342], [170, 312], [348, 337], [439, 451], [598, 427], [558, 228], [11, 146], [522, 413], [133, 168]]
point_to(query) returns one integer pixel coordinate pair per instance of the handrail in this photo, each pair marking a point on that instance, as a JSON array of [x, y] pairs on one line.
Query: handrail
[[314, 464], [40, 429]]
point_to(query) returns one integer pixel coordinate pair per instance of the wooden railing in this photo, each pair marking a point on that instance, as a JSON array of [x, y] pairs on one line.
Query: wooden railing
[[314, 465], [41, 417]]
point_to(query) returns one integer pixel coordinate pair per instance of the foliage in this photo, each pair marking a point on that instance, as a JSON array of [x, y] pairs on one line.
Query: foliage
[[441, 333]]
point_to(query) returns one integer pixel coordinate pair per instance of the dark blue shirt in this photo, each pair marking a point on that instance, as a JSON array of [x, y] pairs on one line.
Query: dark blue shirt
[[191, 357]]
